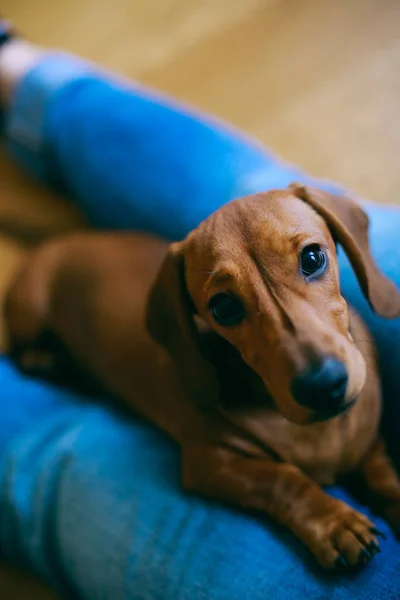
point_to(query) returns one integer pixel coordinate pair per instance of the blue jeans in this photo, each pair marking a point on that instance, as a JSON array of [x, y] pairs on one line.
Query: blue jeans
[[90, 499]]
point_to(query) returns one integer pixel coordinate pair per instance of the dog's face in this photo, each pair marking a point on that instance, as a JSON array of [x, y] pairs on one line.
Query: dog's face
[[262, 272]]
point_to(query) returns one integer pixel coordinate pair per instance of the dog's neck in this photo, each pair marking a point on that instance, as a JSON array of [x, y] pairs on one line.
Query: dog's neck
[[240, 386]]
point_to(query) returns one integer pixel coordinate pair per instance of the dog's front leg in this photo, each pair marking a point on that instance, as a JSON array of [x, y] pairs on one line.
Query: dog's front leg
[[383, 483], [337, 535]]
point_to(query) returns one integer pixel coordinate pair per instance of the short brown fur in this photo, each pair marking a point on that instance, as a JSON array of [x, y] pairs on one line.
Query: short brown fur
[[135, 315]]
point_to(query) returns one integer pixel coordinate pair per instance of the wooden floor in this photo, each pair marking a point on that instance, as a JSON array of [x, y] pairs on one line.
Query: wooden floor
[[316, 80]]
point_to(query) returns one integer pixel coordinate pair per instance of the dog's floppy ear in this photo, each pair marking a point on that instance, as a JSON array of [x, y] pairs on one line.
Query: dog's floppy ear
[[170, 322], [349, 225]]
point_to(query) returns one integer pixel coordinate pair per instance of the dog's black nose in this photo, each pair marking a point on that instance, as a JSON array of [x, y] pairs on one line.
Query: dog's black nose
[[322, 387]]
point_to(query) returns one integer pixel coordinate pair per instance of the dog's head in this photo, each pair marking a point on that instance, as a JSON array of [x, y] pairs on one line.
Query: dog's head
[[262, 272]]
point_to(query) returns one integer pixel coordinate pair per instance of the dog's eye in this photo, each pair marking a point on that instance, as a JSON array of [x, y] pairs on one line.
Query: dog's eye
[[312, 260], [226, 309]]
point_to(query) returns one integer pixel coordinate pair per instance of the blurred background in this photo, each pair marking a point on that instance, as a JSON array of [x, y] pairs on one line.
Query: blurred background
[[316, 80]]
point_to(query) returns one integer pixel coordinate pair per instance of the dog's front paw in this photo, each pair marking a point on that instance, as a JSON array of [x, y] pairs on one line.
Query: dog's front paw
[[345, 539]]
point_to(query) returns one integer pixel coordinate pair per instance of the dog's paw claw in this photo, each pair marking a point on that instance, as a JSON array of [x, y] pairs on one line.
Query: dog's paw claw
[[365, 556], [341, 563], [379, 533], [373, 548]]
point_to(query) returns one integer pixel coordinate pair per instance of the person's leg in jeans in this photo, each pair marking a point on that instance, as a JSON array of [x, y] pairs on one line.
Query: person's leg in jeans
[[128, 156], [88, 499]]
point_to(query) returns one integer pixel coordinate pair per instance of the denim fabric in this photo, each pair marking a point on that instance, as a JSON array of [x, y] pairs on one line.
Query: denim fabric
[[130, 157], [90, 499]]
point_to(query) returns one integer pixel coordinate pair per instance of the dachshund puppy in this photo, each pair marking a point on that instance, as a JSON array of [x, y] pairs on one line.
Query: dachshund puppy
[[238, 343]]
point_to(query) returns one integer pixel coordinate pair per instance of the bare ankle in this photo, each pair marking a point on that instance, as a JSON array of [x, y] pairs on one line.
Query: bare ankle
[[17, 58]]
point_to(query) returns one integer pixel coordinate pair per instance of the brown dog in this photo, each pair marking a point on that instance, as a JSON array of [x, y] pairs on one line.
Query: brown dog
[[254, 363]]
